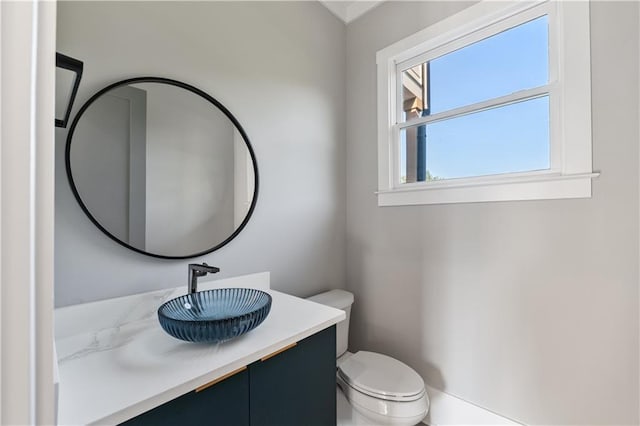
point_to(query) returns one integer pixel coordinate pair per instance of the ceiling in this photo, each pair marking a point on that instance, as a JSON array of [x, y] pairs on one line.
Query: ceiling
[[350, 10]]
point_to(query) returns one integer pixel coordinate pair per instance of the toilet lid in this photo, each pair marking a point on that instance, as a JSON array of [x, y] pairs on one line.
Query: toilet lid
[[381, 376]]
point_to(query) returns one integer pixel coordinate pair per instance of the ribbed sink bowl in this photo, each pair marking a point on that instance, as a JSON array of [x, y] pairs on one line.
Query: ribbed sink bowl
[[214, 315]]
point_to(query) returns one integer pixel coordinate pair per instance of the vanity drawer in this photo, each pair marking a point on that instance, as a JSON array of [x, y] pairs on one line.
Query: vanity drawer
[[296, 386], [224, 403]]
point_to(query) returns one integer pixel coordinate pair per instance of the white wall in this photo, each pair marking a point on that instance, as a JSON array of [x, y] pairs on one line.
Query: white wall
[[280, 69], [529, 309]]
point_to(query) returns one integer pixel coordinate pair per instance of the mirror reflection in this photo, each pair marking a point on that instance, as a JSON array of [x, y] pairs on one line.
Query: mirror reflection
[[161, 169]]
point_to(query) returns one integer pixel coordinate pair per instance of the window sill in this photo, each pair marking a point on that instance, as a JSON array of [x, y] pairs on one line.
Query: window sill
[[544, 186]]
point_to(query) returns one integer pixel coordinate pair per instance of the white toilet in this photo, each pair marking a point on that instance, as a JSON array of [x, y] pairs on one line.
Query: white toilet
[[373, 389]]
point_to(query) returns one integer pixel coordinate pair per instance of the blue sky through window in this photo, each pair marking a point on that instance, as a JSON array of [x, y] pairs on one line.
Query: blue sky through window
[[505, 139]]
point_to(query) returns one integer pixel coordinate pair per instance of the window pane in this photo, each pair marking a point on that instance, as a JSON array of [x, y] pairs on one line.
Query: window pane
[[512, 138], [414, 95], [507, 62]]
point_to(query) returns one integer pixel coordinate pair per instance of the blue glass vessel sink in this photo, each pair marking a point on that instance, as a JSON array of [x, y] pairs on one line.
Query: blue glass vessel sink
[[214, 315]]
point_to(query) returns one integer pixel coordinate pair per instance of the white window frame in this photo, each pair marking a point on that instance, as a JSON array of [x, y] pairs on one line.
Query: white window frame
[[569, 89]]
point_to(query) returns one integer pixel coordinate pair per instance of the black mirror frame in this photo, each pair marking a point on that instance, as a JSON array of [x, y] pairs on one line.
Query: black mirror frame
[[192, 89]]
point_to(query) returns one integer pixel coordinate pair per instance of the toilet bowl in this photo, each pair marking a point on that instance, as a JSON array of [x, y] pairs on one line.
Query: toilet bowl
[[372, 388], [383, 389]]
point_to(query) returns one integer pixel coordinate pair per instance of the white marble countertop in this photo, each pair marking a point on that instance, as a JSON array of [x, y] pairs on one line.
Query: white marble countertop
[[115, 361]]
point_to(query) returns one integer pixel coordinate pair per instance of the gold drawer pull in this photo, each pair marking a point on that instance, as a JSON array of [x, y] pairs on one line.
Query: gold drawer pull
[[279, 351], [219, 379]]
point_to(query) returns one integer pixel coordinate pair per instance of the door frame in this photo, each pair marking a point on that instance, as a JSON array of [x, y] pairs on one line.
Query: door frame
[[27, 90]]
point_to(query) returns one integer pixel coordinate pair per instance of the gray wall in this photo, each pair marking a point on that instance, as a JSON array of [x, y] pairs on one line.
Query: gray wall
[[280, 69], [100, 161], [529, 309], [189, 172]]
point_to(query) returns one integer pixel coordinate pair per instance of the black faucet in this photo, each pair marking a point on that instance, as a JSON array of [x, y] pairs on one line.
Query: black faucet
[[195, 271]]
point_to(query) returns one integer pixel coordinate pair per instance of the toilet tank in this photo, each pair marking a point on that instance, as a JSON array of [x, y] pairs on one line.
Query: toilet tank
[[338, 299]]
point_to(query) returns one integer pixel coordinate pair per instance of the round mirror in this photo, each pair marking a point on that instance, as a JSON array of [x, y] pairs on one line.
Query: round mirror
[[161, 167]]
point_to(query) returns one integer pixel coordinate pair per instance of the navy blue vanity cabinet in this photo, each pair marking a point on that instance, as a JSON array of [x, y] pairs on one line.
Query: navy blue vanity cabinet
[[225, 403], [296, 386]]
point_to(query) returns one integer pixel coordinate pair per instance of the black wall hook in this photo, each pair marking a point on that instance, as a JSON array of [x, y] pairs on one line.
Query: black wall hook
[[76, 66]]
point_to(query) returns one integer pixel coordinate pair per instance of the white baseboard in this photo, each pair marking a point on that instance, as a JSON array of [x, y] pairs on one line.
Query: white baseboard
[[446, 409]]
